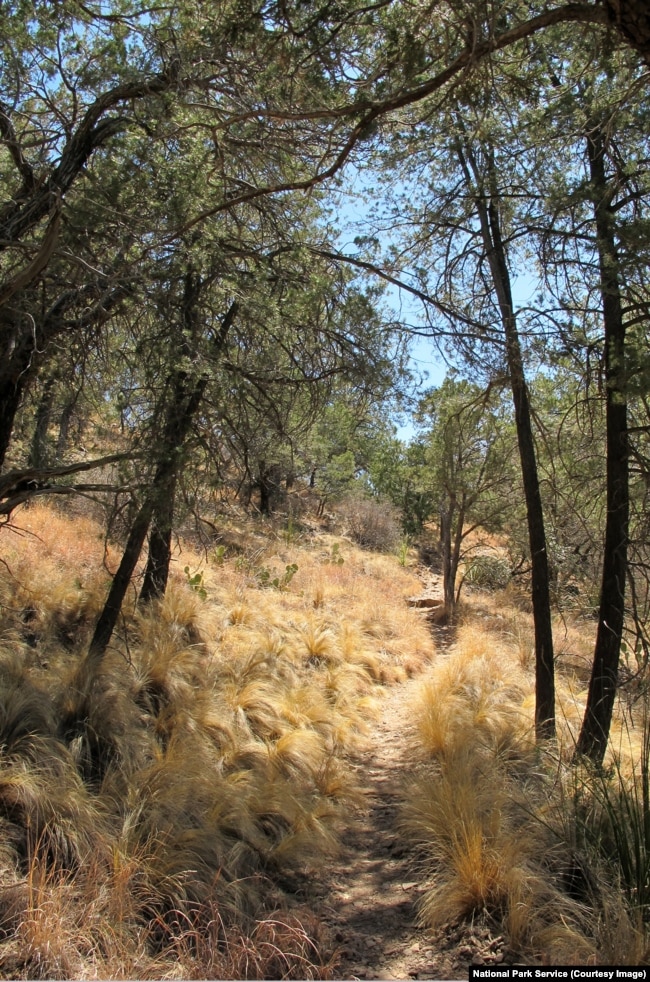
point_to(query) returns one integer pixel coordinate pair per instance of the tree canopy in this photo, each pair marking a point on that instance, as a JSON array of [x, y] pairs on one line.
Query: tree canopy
[[170, 261]]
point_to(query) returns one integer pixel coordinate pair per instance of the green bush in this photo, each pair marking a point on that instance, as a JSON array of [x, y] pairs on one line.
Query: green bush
[[488, 572]]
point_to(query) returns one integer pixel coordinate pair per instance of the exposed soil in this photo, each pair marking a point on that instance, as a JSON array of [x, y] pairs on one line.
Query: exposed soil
[[368, 898]]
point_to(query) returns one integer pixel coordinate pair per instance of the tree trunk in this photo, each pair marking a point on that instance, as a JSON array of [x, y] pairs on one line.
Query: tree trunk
[[64, 428], [632, 18], [179, 421], [186, 399], [487, 205], [452, 520], [455, 553], [264, 488], [156, 573], [109, 615], [38, 450], [268, 482], [446, 513], [176, 430], [14, 374], [594, 734], [163, 494]]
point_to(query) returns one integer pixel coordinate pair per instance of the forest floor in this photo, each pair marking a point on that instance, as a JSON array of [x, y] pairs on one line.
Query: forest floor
[[336, 701]]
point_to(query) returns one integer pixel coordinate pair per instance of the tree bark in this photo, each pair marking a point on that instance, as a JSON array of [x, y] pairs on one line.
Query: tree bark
[[178, 425], [594, 734], [163, 491], [38, 449], [632, 19], [156, 572], [111, 611], [64, 427], [452, 521], [265, 489], [487, 206], [187, 396], [446, 514]]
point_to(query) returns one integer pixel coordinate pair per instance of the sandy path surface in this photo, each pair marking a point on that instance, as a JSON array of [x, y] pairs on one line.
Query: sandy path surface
[[368, 897]]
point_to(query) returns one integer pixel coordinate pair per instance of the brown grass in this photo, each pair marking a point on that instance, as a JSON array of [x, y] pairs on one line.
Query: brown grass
[[491, 813], [148, 818]]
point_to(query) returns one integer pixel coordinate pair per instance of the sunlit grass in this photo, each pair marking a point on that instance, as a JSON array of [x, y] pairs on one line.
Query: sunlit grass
[[517, 833], [154, 806]]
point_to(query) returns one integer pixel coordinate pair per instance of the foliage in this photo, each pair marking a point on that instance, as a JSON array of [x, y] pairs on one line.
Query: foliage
[[334, 555], [488, 572], [265, 576], [195, 582], [609, 814], [403, 549]]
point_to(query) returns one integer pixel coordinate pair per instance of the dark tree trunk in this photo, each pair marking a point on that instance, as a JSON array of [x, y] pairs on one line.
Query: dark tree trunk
[[15, 371], [109, 615], [186, 399], [594, 734], [632, 18], [446, 513], [10, 397], [268, 483], [540, 581], [495, 250], [452, 520], [156, 573], [163, 491], [455, 555], [176, 430], [64, 428], [264, 488], [38, 449]]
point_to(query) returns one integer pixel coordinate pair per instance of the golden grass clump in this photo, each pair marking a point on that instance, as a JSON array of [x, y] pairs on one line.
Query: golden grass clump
[[511, 831], [473, 695], [55, 575], [480, 851]]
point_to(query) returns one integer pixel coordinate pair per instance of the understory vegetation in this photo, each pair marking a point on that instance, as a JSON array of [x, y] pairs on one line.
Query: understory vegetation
[[551, 852], [159, 822], [151, 820]]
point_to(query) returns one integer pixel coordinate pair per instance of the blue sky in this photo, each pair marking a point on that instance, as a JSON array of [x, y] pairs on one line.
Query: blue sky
[[349, 206]]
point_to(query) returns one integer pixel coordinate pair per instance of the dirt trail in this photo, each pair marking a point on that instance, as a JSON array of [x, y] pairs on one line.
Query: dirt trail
[[369, 896]]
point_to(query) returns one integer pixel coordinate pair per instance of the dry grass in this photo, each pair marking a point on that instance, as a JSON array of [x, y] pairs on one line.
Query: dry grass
[[475, 697], [148, 818], [497, 820]]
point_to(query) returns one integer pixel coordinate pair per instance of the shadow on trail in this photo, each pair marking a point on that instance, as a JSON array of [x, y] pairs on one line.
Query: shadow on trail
[[369, 896]]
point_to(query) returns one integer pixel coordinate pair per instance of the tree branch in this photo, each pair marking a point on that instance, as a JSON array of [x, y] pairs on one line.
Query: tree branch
[[16, 481]]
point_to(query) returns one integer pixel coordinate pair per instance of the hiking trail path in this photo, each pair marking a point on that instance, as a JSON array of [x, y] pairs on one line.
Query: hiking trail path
[[368, 896]]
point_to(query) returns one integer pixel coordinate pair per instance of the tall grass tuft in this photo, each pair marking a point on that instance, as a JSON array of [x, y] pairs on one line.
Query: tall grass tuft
[[606, 815], [151, 813], [512, 832]]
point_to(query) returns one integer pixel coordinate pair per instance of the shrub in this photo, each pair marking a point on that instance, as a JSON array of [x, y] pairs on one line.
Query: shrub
[[488, 572], [372, 523]]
